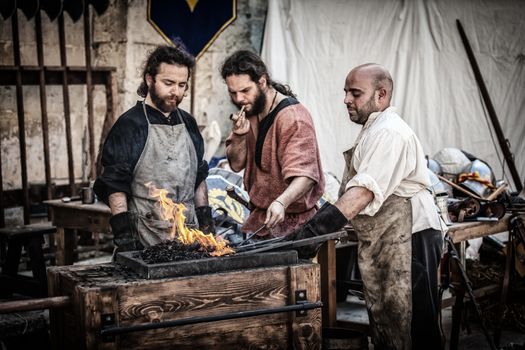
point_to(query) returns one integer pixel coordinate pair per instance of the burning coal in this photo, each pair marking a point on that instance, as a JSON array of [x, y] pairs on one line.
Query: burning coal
[[169, 251], [187, 237]]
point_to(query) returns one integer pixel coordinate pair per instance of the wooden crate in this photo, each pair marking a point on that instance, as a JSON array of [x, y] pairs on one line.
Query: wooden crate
[[100, 290]]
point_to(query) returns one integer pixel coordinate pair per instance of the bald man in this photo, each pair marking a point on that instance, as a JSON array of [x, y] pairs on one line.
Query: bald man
[[383, 194]]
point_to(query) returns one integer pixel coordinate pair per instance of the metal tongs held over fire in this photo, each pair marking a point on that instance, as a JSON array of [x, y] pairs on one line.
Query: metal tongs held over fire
[[248, 237]]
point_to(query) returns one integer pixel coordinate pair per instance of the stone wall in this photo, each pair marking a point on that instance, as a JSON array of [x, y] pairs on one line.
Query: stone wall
[[121, 38]]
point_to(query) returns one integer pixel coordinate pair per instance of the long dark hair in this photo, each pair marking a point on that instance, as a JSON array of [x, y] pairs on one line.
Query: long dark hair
[[163, 54], [247, 62]]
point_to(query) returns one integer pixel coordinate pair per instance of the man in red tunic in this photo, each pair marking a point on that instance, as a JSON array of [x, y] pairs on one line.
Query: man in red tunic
[[273, 140]]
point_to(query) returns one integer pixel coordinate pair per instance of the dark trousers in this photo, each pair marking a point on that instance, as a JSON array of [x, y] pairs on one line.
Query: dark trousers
[[427, 246]]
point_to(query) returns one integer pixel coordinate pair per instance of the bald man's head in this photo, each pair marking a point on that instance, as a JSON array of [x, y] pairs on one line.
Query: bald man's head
[[368, 89], [379, 77]]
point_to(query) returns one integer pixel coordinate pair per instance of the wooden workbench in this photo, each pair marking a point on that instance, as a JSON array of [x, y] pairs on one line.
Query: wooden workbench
[[460, 232], [71, 216]]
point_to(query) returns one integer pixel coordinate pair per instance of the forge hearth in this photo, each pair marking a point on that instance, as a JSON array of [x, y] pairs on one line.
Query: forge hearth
[[109, 296], [134, 262]]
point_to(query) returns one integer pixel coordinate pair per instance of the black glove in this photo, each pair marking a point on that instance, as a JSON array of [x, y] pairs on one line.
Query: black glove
[[206, 223], [121, 226], [327, 220]]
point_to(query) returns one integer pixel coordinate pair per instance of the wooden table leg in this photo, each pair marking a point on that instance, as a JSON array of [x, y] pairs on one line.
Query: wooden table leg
[[457, 309], [65, 240], [327, 261]]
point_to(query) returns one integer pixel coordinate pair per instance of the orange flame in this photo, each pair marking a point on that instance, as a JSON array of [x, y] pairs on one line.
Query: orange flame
[[174, 214]]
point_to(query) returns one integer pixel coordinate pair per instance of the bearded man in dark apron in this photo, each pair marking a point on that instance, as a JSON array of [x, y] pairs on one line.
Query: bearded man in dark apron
[[384, 195], [155, 143]]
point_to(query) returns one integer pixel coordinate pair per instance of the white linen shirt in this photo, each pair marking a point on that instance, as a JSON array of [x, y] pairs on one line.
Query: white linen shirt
[[389, 159]]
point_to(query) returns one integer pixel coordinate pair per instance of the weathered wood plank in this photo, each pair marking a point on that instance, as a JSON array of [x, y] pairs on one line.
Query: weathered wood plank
[[63, 324], [97, 303], [264, 334], [56, 319], [203, 295], [469, 230], [306, 329], [87, 219], [327, 260]]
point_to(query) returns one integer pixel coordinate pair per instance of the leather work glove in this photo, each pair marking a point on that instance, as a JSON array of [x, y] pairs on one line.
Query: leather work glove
[[327, 220], [121, 226], [206, 223]]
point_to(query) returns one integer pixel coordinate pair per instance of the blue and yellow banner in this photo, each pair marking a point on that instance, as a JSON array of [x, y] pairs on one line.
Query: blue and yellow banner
[[192, 25]]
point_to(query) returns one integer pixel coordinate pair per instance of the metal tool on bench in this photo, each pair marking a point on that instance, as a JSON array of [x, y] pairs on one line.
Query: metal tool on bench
[[277, 244], [251, 235]]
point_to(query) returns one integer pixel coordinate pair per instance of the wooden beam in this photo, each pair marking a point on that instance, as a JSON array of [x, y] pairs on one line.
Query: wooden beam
[[65, 97], [34, 304], [54, 75], [43, 102], [89, 91], [326, 258], [460, 232], [20, 112]]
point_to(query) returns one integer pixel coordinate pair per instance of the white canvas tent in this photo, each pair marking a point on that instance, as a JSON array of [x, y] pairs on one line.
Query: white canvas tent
[[312, 45]]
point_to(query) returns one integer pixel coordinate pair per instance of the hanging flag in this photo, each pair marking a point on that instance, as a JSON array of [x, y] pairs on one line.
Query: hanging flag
[[192, 25]]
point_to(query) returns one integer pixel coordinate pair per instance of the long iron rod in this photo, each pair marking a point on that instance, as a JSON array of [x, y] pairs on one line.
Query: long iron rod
[[34, 304], [291, 244], [490, 109], [113, 330], [65, 94], [20, 112], [89, 90], [43, 101]]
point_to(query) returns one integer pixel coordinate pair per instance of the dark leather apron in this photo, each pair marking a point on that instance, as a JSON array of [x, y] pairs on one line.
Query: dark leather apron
[[168, 161]]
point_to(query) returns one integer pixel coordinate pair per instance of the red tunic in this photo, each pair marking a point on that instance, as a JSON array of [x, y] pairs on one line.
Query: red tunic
[[290, 149]]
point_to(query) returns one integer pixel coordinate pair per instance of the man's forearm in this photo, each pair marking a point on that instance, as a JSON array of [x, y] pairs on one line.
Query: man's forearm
[[353, 201], [201, 195], [236, 152], [299, 186], [118, 203]]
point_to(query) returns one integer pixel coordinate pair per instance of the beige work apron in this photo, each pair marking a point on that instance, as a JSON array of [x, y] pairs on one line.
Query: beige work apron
[[384, 257], [168, 161]]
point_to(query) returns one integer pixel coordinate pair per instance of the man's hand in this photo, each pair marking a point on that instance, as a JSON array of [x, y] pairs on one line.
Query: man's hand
[[241, 125], [206, 223], [121, 226], [327, 220], [274, 214]]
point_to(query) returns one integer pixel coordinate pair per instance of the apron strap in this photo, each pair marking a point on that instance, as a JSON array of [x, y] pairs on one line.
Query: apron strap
[[145, 112], [177, 113], [181, 119]]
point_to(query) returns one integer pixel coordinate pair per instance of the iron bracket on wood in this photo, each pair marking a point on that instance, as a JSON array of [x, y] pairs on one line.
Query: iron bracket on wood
[[107, 320], [300, 299]]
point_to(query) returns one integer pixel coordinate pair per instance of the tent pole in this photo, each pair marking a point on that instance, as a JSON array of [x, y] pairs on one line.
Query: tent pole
[[503, 142]]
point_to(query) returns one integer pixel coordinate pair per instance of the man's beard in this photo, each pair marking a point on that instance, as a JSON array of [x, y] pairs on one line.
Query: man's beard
[[364, 112], [258, 104], [162, 103]]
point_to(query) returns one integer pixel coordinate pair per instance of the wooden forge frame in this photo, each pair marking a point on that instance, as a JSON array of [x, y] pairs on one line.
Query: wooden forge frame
[[104, 296]]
